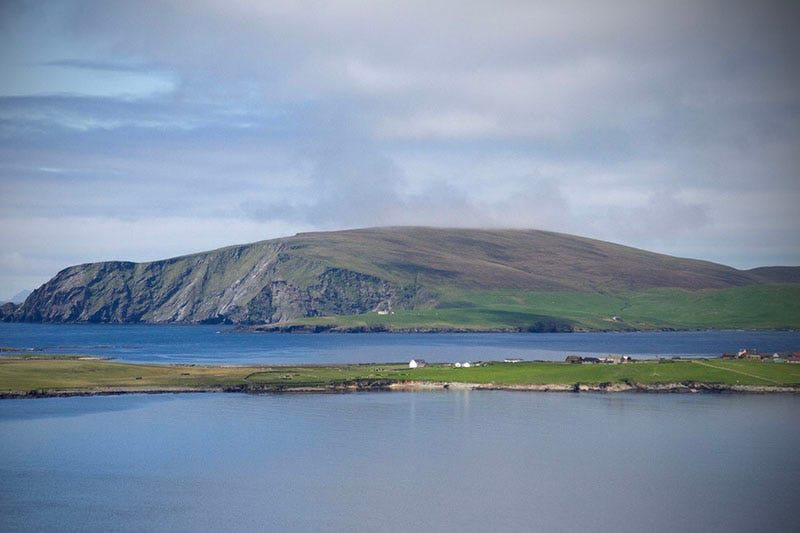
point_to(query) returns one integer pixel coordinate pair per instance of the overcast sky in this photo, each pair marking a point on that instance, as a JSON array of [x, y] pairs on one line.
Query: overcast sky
[[144, 130]]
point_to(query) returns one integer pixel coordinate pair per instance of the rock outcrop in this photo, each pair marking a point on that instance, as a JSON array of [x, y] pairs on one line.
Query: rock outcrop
[[8, 311]]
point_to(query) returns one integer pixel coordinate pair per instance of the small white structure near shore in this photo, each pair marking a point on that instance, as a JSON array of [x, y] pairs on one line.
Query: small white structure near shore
[[614, 359], [417, 363]]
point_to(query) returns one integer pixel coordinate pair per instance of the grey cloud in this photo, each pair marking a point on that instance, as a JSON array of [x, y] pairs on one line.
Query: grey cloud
[[111, 66], [643, 122], [48, 114], [664, 217]]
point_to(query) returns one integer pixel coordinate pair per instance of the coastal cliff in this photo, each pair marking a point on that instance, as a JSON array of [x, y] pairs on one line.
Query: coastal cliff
[[259, 283]]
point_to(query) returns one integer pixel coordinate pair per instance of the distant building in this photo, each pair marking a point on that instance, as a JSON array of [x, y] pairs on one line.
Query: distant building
[[577, 359], [752, 353], [466, 365], [616, 359], [749, 353], [512, 360], [417, 363]]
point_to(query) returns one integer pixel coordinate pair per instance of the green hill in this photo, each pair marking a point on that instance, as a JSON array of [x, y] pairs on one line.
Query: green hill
[[415, 278]]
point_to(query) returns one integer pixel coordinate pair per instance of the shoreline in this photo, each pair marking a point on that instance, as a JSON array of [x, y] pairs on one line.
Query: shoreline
[[319, 329], [413, 386], [316, 329]]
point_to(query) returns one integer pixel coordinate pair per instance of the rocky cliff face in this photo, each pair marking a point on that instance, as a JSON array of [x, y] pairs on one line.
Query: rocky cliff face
[[259, 283], [8, 311]]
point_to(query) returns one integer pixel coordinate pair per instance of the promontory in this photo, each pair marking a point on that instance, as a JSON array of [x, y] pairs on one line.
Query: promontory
[[422, 279]]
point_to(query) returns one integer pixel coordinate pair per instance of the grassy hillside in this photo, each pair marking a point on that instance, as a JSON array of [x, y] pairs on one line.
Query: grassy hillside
[[508, 259], [774, 306]]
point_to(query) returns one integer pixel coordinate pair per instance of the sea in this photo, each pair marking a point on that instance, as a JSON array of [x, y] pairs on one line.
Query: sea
[[177, 344], [396, 461]]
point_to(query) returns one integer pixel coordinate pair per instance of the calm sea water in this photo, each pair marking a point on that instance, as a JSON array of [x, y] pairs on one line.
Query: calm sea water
[[438, 461], [212, 345]]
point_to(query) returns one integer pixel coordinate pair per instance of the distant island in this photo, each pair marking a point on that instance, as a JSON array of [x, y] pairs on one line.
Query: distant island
[[41, 375], [422, 279]]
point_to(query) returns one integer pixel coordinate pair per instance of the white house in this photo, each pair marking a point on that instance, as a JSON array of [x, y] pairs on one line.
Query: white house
[[417, 363], [614, 359]]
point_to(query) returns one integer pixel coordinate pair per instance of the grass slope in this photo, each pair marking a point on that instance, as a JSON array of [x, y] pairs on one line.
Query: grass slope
[[774, 306], [507, 259]]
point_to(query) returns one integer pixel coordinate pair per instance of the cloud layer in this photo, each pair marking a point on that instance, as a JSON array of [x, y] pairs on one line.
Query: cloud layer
[[142, 131]]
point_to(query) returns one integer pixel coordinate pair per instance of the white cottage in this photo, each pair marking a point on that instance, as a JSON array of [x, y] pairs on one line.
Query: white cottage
[[417, 363]]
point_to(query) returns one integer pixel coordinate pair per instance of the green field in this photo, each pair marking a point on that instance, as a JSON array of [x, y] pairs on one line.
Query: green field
[[714, 371], [65, 374], [772, 306]]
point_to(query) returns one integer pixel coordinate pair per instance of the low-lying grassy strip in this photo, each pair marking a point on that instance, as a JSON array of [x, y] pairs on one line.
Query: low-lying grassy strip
[[324, 375], [74, 374], [646, 372]]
